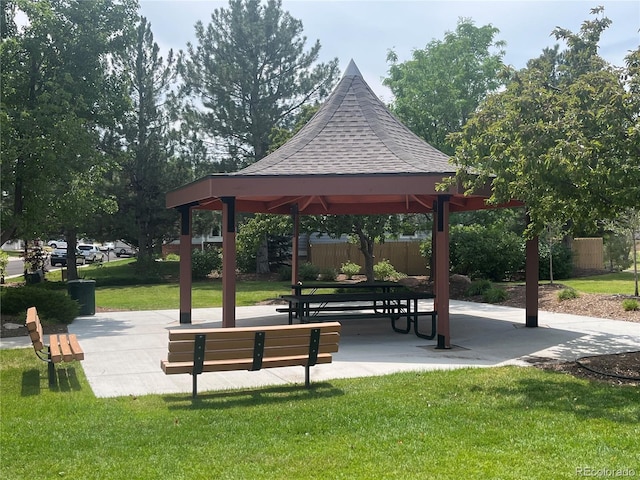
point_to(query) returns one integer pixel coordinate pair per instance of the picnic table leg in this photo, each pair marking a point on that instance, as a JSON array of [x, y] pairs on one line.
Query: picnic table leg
[[395, 317]]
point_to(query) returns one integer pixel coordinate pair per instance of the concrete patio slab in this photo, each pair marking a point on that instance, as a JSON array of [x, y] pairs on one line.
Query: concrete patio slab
[[123, 350]]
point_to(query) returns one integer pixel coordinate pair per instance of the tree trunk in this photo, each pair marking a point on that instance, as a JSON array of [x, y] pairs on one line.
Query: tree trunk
[[72, 241], [262, 258], [551, 264], [366, 247]]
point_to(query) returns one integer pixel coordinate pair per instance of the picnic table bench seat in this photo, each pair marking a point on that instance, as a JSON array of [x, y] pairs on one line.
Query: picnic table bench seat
[[61, 347], [195, 351]]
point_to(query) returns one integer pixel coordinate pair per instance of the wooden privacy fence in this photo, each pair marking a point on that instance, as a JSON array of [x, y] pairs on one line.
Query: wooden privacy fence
[[588, 253], [404, 256]]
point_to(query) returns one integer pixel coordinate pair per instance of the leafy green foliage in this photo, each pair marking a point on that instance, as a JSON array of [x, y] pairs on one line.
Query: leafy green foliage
[[148, 168], [567, 294], [616, 251], [4, 261], [630, 305], [384, 270], [59, 97], [53, 306], [478, 287], [362, 230], [486, 252], [562, 262], [350, 269], [203, 262], [260, 228], [249, 70], [308, 272], [495, 295], [562, 137], [441, 86]]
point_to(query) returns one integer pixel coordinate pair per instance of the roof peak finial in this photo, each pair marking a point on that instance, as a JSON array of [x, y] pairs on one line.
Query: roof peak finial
[[352, 70]]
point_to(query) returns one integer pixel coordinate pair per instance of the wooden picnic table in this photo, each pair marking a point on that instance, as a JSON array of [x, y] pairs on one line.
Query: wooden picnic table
[[385, 287], [358, 304]]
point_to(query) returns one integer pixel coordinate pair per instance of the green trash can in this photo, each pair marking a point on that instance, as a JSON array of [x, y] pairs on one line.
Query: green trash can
[[84, 291]]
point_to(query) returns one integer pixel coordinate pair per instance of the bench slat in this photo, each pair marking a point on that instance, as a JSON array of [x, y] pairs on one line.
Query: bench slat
[[215, 355], [241, 332], [171, 368], [76, 350], [54, 349], [232, 344], [67, 356]]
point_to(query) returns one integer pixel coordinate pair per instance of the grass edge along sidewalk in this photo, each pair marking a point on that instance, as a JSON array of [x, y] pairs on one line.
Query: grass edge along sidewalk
[[505, 422]]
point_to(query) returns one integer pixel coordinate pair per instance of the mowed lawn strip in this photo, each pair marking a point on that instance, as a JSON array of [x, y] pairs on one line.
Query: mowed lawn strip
[[507, 422]]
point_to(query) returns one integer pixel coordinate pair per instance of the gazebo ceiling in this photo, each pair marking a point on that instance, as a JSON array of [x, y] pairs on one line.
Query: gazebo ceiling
[[352, 157]]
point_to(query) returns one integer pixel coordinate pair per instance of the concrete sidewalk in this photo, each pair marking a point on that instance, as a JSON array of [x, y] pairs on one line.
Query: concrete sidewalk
[[123, 350]]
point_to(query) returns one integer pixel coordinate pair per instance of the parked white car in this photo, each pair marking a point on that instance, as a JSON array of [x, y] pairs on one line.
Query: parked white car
[[123, 249], [57, 244], [91, 253]]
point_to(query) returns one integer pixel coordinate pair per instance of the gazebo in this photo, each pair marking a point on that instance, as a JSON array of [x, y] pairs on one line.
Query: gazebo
[[352, 157]]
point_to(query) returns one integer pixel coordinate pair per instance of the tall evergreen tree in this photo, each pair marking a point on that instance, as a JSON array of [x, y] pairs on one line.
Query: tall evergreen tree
[[149, 169], [247, 74]]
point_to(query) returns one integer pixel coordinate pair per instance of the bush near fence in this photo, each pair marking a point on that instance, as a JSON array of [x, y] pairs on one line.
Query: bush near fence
[[404, 256]]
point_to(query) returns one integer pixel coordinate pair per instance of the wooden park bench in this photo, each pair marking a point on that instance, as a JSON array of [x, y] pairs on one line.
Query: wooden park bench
[[195, 351], [61, 348]]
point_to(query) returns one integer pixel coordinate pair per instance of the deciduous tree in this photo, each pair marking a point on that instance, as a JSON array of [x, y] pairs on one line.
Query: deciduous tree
[[442, 85], [564, 136]]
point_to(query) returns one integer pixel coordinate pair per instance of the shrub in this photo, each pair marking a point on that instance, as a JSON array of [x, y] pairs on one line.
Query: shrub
[[350, 269], [562, 262], [204, 262], [308, 271], [494, 295], [4, 261], [284, 273], [567, 294], [478, 287], [53, 306], [486, 252], [630, 305], [329, 274], [172, 257], [383, 270]]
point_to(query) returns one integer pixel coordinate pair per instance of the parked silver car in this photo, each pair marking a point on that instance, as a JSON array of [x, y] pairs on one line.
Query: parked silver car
[[91, 253]]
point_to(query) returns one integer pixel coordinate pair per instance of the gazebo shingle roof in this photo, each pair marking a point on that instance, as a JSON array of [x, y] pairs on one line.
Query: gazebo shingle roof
[[352, 133]]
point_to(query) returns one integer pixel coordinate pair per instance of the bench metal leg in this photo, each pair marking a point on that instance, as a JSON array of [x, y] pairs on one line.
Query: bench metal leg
[[198, 361], [51, 370], [52, 374]]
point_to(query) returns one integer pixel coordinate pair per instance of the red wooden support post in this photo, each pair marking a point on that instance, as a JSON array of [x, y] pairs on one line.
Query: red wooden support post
[[295, 216], [185, 264], [442, 271], [531, 279], [228, 262]]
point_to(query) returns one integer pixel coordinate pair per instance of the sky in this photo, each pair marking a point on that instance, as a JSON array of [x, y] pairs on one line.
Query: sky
[[365, 30]]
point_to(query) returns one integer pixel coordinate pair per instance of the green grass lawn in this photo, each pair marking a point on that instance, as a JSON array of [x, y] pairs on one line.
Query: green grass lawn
[[611, 283], [507, 423]]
